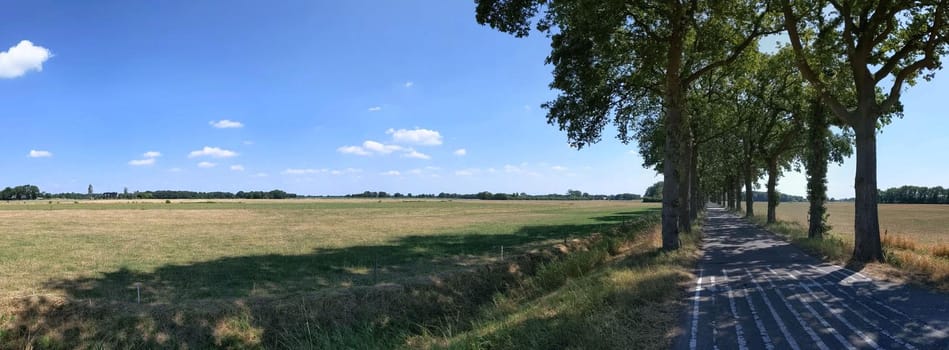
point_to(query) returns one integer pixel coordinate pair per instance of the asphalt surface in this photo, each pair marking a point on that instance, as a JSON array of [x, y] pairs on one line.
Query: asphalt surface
[[756, 291]]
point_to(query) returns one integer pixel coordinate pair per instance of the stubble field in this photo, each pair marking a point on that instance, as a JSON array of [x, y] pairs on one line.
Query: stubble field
[[195, 250], [925, 224]]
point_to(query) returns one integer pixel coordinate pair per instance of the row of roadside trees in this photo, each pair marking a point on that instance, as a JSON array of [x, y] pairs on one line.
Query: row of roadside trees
[[713, 110]]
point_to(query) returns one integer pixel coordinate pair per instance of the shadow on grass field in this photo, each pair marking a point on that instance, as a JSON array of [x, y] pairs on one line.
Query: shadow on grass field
[[286, 300]]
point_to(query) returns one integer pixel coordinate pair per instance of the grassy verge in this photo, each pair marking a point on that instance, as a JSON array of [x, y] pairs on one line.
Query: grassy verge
[[924, 265], [603, 298], [612, 290]]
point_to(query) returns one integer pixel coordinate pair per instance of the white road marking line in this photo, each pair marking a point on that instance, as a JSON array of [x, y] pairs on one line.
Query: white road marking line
[[797, 316], [767, 301], [823, 322], [841, 318], [739, 331], [856, 298], [885, 306], [864, 318], [693, 342]]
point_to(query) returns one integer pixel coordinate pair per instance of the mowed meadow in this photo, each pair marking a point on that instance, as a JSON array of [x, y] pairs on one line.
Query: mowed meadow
[[334, 274], [193, 249]]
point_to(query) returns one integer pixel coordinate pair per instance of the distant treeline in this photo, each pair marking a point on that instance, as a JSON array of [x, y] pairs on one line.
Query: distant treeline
[[915, 195], [275, 194], [21, 193], [784, 198], [485, 195]]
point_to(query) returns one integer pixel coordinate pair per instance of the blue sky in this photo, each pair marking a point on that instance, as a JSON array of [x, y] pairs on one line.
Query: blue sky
[[322, 98]]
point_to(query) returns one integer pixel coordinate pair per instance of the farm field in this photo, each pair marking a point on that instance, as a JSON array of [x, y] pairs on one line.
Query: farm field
[[925, 224], [187, 250]]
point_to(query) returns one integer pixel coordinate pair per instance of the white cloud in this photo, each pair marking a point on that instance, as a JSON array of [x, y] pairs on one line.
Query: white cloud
[[237, 167], [248, 142], [292, 171], [226, 124], [416, 154], [213, 152], [353, 150], [409, 84], [206, 165], [424, 137], [467, 172], [152, 154], [512, 169], [22, 58], [460, 152], [558, 168], [142, 162], [345, 171], [39, 154], [260, 175], [375, 109], [380, 148], [391, 173]]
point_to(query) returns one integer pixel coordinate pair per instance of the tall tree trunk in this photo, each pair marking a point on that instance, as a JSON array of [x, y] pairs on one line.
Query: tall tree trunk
[[772, 191], [670, 187], [816, 166], [737, 189], [696, 198], [867, 245], [749, 192], [685, 174]]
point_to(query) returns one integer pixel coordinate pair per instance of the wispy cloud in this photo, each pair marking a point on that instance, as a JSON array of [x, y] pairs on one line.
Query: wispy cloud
[[418, 136], [460, 152], [559, 168], [375, 109], [391, 173], [237, 167], [467, 172], [226, 124], [416, 154], [293, 171], [213, 152], [409, 84], [142, 162], [260, 175], [206, 165], [359, 151], [22, 58], [149, 159], [380, 148], [40, 154]]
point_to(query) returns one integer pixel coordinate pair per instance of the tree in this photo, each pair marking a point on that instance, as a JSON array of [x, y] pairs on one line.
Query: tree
[[616, 60], [90, 191], [654, 191], [125, 192], [875, 43]]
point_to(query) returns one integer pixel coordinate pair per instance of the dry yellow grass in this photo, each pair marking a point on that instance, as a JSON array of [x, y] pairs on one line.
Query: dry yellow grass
[[924, 224], [50, 248]]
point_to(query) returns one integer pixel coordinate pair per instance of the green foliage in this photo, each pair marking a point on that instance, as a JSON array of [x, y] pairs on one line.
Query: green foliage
[[915, 195]]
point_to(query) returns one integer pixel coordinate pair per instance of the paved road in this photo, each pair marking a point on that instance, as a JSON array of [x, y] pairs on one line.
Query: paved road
[[755, 291]]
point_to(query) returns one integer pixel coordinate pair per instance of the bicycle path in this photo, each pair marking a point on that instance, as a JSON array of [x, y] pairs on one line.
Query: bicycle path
[[756, 291]]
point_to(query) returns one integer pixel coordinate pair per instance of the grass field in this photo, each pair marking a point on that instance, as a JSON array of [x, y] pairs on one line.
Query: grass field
[[926, 224], [226, 258]]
